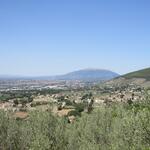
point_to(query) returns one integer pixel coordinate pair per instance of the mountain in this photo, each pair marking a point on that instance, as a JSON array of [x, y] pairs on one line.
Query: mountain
[[84, 75], [145, 74], [88, 75]]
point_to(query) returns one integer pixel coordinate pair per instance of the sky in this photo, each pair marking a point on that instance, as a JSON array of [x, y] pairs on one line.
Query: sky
[[50, 37]]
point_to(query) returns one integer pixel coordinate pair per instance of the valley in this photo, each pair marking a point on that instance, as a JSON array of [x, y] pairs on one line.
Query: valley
[[35, 113], [61, 96]]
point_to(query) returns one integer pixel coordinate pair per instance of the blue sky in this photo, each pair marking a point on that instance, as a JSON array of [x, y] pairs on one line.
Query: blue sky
[[48, 37]]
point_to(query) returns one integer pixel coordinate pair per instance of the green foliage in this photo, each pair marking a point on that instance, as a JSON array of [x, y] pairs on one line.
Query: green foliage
[[5, 97], [68, 102], [16, 102], [26, 96], [87, 96], [41, 131], [111, 128], [61, 98], [80, 107], [114, 127], [74, 113]]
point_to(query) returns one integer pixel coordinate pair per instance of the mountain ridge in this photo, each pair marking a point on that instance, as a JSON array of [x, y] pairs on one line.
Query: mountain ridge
[[83, 74], [89, 74]]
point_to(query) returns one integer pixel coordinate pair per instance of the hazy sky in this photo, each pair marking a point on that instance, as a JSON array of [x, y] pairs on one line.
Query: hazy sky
[[47, 37]]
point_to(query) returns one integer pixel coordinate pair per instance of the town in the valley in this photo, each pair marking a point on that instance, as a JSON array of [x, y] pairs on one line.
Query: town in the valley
[[64, 98]]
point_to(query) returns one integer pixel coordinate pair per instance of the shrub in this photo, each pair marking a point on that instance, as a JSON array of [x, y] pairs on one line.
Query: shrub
[[113, 127], [74, 113], [68, 102], [80, 107]]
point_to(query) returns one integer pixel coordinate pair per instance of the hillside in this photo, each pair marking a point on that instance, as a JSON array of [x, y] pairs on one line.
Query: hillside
[[145, 74], [88, 75], [141, 78]]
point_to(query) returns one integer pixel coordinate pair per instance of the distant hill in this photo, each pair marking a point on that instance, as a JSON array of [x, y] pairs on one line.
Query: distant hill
[[84, 75], [88, 75], [145, 73], [11, 77]]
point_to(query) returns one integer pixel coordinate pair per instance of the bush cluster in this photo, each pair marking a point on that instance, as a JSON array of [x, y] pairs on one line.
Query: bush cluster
[[115, 127]]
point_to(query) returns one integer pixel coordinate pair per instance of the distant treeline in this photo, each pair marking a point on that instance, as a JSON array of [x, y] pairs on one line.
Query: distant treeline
[[28, 94]]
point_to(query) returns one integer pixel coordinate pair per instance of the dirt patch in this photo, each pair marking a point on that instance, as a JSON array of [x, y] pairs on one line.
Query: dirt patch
[[64, 112], [21, 115]]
